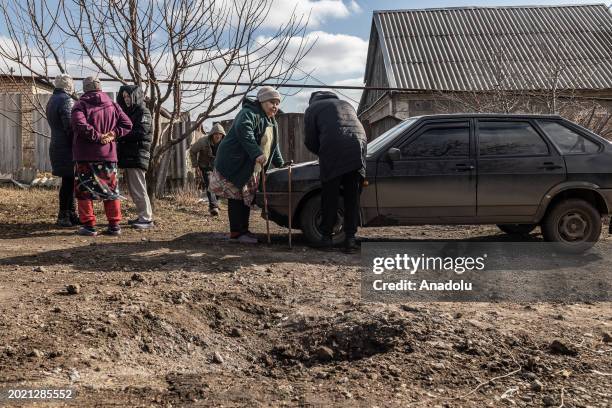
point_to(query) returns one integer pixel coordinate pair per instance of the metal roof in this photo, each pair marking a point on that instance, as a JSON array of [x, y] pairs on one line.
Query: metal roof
[[484, 48]]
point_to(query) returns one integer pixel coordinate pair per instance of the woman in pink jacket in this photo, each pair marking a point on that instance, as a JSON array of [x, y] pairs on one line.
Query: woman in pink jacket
[[96, 122]]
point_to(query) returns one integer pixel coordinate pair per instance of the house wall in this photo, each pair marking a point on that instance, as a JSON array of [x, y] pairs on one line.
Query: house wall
[[376, 78], [395, 106], [26, 153]]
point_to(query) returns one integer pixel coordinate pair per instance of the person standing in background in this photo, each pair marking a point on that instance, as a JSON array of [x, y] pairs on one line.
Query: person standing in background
[[58, 112], [134, 152], [96, 122]]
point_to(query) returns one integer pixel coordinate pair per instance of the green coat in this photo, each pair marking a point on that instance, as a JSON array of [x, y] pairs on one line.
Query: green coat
[[238, 150]]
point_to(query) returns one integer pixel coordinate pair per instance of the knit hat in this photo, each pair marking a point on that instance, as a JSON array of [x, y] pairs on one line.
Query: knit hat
[[217, 128], [63, 81], [266, 93], [91, 84]]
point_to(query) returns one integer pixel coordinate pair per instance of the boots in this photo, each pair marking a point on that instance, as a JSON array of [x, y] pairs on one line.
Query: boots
[[326, 244], [350, 245], [63, 219], [74, 218]]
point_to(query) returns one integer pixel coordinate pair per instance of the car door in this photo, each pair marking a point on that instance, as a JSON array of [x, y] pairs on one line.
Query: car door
[[432, 178], [516, 167]]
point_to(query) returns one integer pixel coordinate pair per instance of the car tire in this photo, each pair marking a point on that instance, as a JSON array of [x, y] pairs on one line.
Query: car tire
[[517, 229], [310, 219], [574, 224]]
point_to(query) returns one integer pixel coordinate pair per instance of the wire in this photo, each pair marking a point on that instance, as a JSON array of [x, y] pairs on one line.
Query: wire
[[276, 85]]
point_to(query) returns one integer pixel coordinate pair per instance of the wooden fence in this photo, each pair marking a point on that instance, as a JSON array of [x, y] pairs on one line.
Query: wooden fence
[[10, 132], [11, 146]]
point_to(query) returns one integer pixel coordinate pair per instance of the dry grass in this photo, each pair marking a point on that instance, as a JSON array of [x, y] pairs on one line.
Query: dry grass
[[187, 195]]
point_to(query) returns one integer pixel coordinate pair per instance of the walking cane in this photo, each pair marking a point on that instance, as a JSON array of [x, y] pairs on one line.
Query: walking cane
[[263, 180], [290, 206]]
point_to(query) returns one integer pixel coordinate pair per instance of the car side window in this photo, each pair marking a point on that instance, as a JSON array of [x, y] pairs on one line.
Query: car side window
[[440, 140], [509, 138], [568, 141]]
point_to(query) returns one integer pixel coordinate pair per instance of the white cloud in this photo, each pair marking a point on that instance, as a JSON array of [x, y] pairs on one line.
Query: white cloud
[[354, 7], [299, 101], [318, 12], [331, 54]]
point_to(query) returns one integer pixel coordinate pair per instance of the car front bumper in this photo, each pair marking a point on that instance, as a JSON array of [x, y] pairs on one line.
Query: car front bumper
[[278, 207]]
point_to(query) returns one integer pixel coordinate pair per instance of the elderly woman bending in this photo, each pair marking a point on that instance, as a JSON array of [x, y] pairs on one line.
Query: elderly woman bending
[[250, 145]]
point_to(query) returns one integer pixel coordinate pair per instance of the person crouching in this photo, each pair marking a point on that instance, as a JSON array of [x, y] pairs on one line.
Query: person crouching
[[202, 154]]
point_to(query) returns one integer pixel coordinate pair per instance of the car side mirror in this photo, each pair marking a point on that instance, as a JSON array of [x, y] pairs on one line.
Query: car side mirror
[[394, 154]]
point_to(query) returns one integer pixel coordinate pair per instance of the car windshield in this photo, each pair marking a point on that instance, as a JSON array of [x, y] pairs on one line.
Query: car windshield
[[375, 145]]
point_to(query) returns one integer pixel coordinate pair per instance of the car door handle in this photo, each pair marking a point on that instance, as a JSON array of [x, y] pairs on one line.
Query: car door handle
[[464, 167], [550, 166]]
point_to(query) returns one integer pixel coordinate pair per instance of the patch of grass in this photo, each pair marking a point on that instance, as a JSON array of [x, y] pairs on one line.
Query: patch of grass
[[187, 196]]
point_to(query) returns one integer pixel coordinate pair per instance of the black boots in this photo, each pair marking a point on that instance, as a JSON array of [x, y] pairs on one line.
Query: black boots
[[67, 219], [326, 244], [350, 245], [63, 219], [74, 218]]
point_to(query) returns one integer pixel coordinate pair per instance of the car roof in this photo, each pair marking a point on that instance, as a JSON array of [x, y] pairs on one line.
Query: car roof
[[488, 116]]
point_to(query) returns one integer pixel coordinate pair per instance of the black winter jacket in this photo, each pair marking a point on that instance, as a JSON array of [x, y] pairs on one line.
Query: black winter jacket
[[58, 112], [334, 133], [134, 149]]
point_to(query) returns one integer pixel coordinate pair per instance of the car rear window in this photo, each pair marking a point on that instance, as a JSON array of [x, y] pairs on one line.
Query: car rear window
[[566, 140], [509, 138]]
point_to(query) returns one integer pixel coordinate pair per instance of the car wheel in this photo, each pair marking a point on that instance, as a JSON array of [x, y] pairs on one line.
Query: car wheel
[[574, 224], [517, 229], [310, 221]]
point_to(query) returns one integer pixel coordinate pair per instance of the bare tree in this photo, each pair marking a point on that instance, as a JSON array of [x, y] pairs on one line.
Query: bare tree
[[181, 52], [552, 91]]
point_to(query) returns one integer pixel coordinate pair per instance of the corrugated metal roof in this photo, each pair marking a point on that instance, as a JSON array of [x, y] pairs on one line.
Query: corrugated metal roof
[[483, 48]]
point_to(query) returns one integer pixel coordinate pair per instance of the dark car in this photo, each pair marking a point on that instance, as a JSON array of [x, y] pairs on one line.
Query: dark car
[[516, 171]]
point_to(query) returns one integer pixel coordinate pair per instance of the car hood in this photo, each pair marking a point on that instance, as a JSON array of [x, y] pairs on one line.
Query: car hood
[[303, 175]]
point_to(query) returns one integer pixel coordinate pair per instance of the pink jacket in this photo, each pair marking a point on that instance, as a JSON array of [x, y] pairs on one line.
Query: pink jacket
[[94, 115]]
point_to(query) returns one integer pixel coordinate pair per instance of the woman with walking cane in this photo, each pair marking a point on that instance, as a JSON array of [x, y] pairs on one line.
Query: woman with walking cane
[[243, 156]]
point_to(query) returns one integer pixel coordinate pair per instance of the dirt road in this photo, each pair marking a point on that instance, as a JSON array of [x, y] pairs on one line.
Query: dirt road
[[178, 316]]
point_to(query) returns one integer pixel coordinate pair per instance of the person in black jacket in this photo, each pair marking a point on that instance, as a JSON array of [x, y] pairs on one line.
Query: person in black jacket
[[58, 112], [333, 132], [134, 152]]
